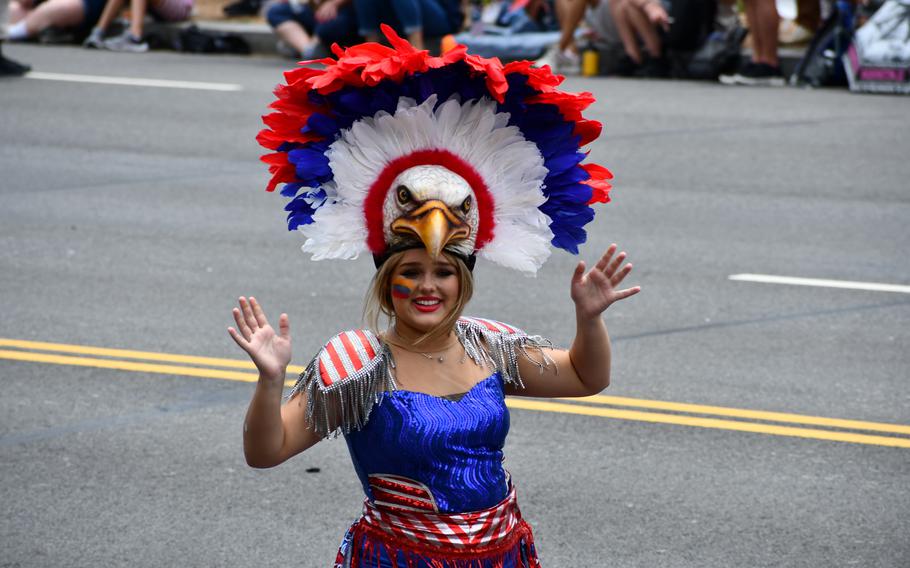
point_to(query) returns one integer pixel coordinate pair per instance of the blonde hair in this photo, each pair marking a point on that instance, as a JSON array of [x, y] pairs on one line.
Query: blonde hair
[[378, 300]]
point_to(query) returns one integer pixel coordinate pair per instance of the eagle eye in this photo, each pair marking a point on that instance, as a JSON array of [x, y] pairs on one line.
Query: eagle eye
[[466, 205], [404, 195]]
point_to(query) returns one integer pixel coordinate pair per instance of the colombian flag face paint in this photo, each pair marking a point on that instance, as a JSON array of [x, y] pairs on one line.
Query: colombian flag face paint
[[402, 287]]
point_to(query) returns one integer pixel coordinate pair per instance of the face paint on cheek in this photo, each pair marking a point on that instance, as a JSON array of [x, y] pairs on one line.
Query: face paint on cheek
[[402, 287]]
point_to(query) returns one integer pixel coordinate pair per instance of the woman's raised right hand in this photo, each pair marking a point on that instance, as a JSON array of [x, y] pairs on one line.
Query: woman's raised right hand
[[270, 351]]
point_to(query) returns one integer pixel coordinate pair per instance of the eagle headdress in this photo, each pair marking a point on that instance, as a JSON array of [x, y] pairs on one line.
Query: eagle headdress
[[389, 146]]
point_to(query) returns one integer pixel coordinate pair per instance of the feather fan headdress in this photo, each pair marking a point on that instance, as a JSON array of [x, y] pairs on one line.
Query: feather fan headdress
[[388, 145]]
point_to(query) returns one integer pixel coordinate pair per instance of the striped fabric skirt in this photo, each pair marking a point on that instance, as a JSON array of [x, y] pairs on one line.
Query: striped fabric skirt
[[392, 537]]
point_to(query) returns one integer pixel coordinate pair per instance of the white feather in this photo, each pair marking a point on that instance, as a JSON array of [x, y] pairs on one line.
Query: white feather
[[511, 166], [337, 231]]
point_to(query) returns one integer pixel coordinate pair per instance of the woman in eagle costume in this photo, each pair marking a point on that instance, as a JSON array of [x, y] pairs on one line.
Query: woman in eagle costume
[[427, 163]]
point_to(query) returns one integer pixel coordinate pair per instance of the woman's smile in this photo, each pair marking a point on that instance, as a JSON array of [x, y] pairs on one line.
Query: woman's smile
[[427, 305]]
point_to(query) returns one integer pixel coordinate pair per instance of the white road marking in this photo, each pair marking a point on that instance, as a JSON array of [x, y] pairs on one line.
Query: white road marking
[[134, 82], [821, 282]]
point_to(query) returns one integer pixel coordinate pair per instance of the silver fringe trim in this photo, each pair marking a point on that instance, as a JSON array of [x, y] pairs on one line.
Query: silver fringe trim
[[346, 405], [499, 351]]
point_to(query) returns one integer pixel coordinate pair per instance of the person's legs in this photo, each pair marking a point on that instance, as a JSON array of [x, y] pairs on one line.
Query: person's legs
[[342, 29], [138, 8], [111, 9], [764, 31], [620, 12], [410, 16], [403, 15], [809, 14], [95, 38], [764, 68], [570, 13], [644, 29], [131, 39], [58, 13], [751, 19], [295, 29], [295, 36], [370, 15], [17, 12]]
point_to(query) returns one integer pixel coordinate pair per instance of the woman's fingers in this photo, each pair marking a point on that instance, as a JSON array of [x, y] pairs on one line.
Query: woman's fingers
[[605, 259], [617, 277], [258, 313], [284, 327], [611, 268], [623, 294], [241, 324], [579, 272], [238, 339], [248, 316]]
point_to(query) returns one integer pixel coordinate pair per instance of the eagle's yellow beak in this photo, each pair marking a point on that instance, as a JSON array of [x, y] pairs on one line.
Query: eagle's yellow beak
[[434, 224]]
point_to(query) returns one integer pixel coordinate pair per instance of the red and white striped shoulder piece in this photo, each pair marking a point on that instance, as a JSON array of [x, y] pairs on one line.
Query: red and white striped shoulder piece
[[344, 380], [346, 354]]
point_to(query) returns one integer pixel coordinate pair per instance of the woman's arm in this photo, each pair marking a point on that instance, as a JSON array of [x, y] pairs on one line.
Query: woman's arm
[[583, 369], [272, 433]]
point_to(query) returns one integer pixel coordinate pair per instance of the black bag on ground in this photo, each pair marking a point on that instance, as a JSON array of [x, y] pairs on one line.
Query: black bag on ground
[[821, 65], [692, 21], [194, 40], [719, 54]]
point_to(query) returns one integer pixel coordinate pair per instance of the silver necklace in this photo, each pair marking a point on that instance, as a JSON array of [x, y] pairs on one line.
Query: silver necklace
[[440, 356]]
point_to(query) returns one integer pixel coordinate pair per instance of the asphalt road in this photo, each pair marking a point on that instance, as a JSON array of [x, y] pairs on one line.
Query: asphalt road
[[132, 217]]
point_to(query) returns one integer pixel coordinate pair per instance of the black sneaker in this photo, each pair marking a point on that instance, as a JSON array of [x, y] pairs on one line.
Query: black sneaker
[[243, 8], [652, 68], [10, 68], [755, 74]]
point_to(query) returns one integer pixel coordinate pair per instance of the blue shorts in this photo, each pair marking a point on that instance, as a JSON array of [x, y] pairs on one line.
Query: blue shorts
[[342, 29], [91, 12]]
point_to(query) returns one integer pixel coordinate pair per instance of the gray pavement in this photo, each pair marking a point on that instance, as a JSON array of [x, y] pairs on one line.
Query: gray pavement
[[132, 217]]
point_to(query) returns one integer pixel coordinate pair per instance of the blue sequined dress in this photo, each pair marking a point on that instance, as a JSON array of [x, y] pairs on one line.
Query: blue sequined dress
[[437, 495], [452, 447]]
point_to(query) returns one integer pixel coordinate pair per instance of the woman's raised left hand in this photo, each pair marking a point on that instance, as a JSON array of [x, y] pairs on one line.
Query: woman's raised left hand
[[595, 291]]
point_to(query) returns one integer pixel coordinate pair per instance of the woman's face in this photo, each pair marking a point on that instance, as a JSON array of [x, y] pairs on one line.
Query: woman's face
[[424, 292]]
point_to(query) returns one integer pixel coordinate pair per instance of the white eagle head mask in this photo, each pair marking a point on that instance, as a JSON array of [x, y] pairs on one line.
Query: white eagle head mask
[[434, 206], [388, 148]]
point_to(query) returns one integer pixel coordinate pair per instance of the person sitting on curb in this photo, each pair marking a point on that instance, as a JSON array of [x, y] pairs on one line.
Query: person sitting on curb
[[8, 67], [306, 26], [131, 39], [27, 19], [619, 28]]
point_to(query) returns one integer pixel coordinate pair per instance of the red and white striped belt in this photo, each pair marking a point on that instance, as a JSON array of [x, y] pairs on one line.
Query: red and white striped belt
[[474, 530]]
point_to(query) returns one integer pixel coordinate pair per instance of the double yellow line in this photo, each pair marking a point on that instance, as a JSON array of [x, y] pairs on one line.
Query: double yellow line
[[642, 410]]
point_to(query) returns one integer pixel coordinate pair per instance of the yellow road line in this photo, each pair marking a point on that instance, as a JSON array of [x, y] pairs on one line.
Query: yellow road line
[[743, 413], [715, 423], [130, 354], [520, 403], [132, 366]]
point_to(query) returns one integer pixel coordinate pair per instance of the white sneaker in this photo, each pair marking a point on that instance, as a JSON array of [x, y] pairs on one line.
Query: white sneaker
[[791, 33], [563, 61], [126, 42], [568, 62], [95, 40], [548, 58]]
